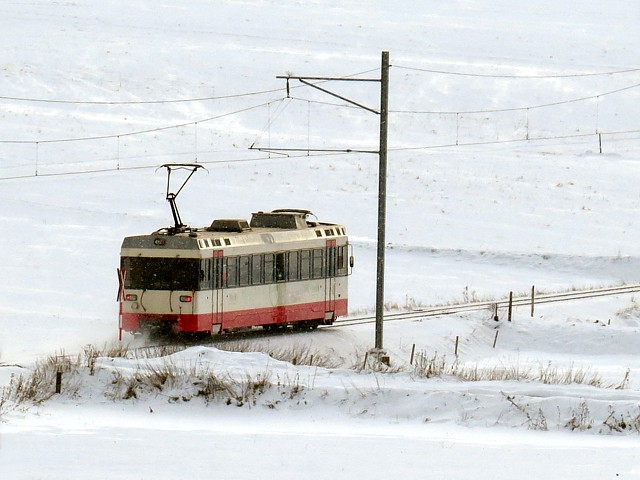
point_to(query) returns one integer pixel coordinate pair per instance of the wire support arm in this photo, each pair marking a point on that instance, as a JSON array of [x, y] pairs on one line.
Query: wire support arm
[[313, 150], [329, 92]]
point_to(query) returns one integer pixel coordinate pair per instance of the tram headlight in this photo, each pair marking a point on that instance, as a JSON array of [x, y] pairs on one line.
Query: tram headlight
[[131, 297], [186, 298]]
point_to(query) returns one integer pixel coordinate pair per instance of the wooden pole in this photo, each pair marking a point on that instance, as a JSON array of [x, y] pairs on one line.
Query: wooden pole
[[456, 349], [495, 339], [366, 357], [600, 141], [413, 351], [533, 295], [510, 304], [58, 382]]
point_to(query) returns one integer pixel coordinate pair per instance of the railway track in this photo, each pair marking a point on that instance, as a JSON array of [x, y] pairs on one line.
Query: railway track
[[435, 311], [438, 311]]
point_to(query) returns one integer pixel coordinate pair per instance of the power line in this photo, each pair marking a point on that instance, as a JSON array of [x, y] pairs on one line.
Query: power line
[[324, 154], [487, 75], [488, 110], [528, 107], [136, 102], [139, 132], [148, 167], [153, 102], [513, 140]]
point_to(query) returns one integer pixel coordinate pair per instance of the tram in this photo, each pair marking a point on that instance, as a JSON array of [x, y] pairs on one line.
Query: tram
[[280, 269]]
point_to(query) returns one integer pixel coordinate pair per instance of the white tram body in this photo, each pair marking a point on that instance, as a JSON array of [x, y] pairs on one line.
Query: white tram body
[[280, 269]]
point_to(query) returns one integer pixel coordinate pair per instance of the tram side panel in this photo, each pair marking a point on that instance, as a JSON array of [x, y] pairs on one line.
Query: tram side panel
[[283, 287]]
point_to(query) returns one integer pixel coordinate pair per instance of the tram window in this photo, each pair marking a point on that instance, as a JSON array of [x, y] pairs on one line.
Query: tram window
[[294, 272], [342, 260], [244, 270], [161, 273], [205, 274], [305, 264], [269, 271], [232, 271], [218, 273], [281, 268], [256, 269], [318, 268], [331, 261]]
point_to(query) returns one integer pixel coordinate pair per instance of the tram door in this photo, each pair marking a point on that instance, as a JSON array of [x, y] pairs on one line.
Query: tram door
[[217, 295], [330, 282]]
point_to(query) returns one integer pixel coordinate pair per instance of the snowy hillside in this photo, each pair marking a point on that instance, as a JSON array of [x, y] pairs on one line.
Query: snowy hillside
[[513, 161]]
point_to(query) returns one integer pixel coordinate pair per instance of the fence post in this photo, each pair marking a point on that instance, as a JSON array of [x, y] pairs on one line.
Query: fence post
[[600, 141], [413, 351], [533, 294], [510, 304], [58, 382], [495, 339], [456, 349]]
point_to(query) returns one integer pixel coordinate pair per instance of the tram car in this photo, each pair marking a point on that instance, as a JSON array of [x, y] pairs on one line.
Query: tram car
[[281, 269]]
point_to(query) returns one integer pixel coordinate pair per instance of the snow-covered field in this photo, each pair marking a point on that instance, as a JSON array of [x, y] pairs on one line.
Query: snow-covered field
[[496, 183]]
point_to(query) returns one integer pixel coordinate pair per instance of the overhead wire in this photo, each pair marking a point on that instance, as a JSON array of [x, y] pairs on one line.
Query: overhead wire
[[513, 140], [513, 109], [283, 104], [139, 132], [155, 166], [137, 102], [322, 154], [160, 101], [486, 110], [513, 76]]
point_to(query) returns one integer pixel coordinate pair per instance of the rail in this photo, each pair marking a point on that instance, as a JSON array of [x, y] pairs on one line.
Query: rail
[[437, 311]]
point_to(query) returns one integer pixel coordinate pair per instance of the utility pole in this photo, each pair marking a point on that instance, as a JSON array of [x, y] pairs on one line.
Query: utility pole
[[382, 205], [378, 350]]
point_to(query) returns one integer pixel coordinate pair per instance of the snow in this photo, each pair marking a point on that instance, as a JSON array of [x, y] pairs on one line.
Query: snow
[[486, 213]]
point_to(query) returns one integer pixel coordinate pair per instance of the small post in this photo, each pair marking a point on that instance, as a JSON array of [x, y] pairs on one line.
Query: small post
[[600, 141], [533, 295], [366, 357], [495, 339], [495, 313], [456, 349], [413, 351], [58, 382], [510, 304]]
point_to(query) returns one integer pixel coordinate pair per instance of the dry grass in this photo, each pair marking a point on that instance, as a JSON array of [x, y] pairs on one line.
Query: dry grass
[[436, 366], [162, 378]]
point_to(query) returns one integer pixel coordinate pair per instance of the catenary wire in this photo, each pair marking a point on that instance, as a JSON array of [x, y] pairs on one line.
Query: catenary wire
[[140, 132], [318, 154], [155, 166], [163, 101], [493, 75], [528, 107]]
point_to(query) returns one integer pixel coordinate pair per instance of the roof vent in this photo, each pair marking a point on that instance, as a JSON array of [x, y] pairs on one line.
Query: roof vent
[[284, 218], [229, 225]]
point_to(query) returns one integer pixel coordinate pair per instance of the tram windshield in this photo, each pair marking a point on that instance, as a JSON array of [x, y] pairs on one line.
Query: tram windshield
[[161, 273]]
